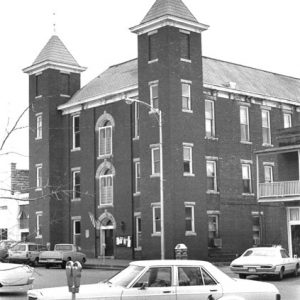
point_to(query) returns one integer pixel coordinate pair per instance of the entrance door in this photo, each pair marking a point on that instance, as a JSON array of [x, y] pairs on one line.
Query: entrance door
[[295, 230], [109, 242]]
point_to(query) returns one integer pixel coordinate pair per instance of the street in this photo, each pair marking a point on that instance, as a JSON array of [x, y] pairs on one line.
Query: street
[[289, 287]]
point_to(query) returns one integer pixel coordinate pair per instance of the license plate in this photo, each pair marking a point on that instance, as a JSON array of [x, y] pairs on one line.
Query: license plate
[[252, 270]]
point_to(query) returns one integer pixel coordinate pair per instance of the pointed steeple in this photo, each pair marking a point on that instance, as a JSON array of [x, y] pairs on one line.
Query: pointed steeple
[[169, 12], [54, 54]]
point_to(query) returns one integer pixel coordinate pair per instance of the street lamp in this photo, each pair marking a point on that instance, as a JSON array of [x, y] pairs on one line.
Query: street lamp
[[161, 181]]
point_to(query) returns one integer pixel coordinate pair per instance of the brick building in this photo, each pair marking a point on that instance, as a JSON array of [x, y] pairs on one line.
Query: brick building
[[95, 160]]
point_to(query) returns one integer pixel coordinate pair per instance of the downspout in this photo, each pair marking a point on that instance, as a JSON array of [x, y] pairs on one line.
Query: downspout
[[131, 107]]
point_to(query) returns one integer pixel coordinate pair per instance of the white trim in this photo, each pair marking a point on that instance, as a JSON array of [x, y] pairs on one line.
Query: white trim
[[186, 81], [211, 158], [246, 161], [269, 163], [152, 32], [213, 212]]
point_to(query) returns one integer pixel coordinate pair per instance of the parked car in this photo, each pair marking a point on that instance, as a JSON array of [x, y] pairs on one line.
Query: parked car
[[265, 261], [60, 255], [167, 279], [26, 253], [15, 275], [5, 245]]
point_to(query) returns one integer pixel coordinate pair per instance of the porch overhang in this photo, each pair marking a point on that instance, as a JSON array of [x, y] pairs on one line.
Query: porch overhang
[[276, 150]]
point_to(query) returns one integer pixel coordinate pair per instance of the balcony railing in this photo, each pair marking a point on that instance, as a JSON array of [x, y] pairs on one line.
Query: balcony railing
[[279, 189]]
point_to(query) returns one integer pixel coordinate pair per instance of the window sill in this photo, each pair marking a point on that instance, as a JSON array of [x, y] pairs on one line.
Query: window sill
[[136, 194], [186, 60], [153, 61], [188, 175], [64, 96], [105, 205], [155, 175], [104, 156], [136, 138], [190, 233], [75, 149], [155, 234], [187, 111], [246, 142], [75, 199], [138, 249], [267, 145], [38, 189], [38, 97], [39, 237], [212, 192], [248, 194], [38, 138], [211, 138]]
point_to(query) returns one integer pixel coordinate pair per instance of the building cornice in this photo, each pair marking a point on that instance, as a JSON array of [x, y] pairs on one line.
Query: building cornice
[[168, 20], [47, 64]]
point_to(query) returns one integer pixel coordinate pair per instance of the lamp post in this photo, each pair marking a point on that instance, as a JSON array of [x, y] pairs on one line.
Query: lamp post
[[161, 180]]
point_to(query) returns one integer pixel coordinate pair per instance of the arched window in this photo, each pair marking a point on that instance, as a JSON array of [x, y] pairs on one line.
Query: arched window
[[105, 139]]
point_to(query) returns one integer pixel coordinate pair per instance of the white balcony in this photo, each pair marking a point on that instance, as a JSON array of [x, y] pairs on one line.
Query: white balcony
[[279, 189]]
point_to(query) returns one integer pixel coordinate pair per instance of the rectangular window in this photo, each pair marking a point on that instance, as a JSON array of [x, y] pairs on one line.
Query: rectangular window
[[213, 231], [211, 180], [3, 234], [39, 216], [246, 177], [287, 120], [266, 129], [156, 219], [76, 184], [256, 230], [65, 84], [39, 176], [76, 231], [38, 85], [187, 160], [76, 132], [268, 170], [106, 189], [185, 51], [154, 101], [105, 141], [136, 120], [138, 231], [186, 96], [137, 169], [244, 121], [209, 119], [152, 46], [39, 126], [189, 218], [155, 156]]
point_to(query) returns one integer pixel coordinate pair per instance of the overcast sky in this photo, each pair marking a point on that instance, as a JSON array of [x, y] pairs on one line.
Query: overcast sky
[[259, 33]]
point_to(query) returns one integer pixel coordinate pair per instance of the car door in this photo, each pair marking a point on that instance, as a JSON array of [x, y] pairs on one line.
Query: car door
[[287, 260], [155, 284], [195, 283]]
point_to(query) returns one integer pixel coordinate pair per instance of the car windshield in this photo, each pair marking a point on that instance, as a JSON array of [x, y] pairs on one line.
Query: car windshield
[[63, 248], [19, 248], [124, 277], [260, 252]]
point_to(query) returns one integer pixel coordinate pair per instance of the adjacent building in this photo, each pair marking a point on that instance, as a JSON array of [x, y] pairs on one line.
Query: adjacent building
[[95, 161]]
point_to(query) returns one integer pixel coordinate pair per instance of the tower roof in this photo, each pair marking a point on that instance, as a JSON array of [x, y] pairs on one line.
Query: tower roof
[[175, 8], [168, 12], [55, 53]]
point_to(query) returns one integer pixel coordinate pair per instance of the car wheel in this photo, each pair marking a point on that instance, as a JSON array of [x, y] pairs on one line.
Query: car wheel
[[280, 274], [296, 272], [83, 261], [242, 276]]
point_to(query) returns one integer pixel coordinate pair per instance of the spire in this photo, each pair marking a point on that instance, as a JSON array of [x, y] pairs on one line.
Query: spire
[[55, 53], [169, 12]]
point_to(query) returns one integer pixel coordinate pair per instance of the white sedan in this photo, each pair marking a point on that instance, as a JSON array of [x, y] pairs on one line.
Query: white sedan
[[15, 275], [167, 280], [265, 261]]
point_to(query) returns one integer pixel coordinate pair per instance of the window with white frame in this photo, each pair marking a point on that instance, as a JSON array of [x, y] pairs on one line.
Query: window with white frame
[[39, 176], [136, 120], [246, 177], [137, 175], [138, 231], [154, 101], [156, 218], [266, 129], [76, 184], [76, 132], [106, 188], [287, 120], [209, 119], [39, 216], [187, 159], [211, 175], [105, 139], [76, 231], [268, 172], [39, 126], [186, 96], [244, 122], [155, 158], [189, 218], [213, 230]]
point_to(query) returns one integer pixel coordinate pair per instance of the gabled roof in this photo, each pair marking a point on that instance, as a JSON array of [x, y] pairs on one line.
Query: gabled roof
[[216, 74], [175, 8]]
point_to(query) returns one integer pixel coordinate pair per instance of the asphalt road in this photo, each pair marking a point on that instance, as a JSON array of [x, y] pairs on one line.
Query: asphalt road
[[289, 287]]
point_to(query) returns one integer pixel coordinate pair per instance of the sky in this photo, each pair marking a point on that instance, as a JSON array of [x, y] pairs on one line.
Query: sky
[[262, 34]]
